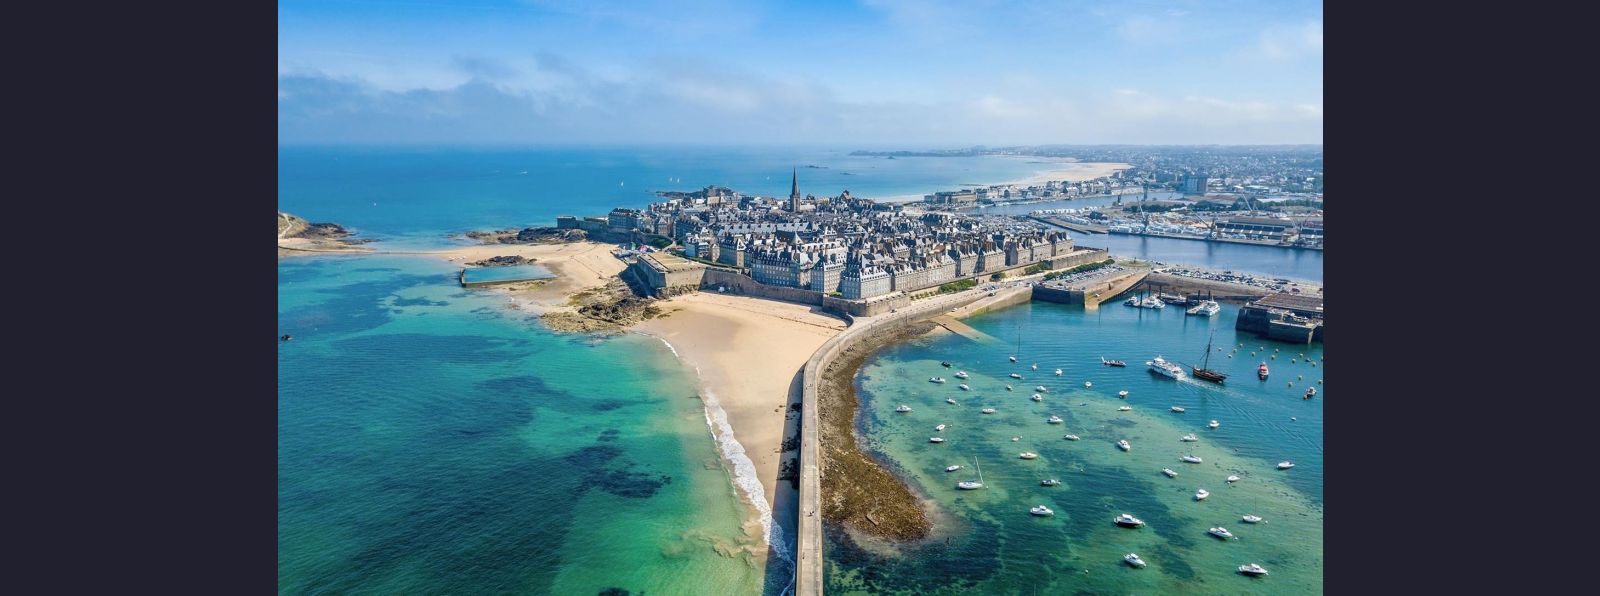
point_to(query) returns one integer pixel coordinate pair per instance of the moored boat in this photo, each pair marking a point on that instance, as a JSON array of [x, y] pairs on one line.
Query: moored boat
[[964, 387], [1193, 459], [1206, 308], [961, 374], [936, 380], [1189, 438], [1116, 363], [1049, 482], [903, 408], [1169, 472], [1128, 521], [939, 428], [1123, 394], [1039, 388], [1042, 511], [1252, 569], [1220, 532], [952, 468], [1124, 408], [1213, 424], [1201, 494], [1233, 479], [1261, 371], [1070, 437], [1133, 559], [1028, 455], [1251, 519], [1015, 376], [935, 439], [1037, 397], [1053, 420], [987, 410], [1058, 372], [1125, 445], [1284, 465], [949, 400]]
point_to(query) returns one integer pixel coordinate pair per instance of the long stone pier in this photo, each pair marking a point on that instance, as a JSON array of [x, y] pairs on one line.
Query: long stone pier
[[808, 545]]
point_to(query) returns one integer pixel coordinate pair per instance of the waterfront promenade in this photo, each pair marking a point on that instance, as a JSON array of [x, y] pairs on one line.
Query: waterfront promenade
[[808, 543]]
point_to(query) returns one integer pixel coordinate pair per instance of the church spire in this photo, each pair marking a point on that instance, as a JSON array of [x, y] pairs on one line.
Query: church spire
[[794, 186]]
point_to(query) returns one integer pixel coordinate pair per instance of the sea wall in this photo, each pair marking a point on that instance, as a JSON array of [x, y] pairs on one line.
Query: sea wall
[[808, 552], [737, 283]]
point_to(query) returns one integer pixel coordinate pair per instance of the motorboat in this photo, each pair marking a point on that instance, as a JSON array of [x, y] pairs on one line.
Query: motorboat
[[1028, 455], [950, 400], [1221, 532], [1058, 372], [1124, 445], [1234, 478], [939, 428], [961, 374], [1116, 363], [1039, 388], [1206, 308], [1166, 369], [1201, 494], [1178, 409], [1049, 482], [1152, 302], [1129, 521], [1252, 569], [936, 380], [1088, 384], [1193, 459], [1042, 511], [1037, 397], [1284, 465], [1131, 301], [1070, 437], [1251, 519], [1008, 387], [952, 468], [1013, 358], [987, 410], [1133, 560], [935, 439], [1213, 424], [1169, 472], [1125, 409], [1035, 366], [972, 484], [1310, 393], [1189, 438], [1054, 420], [903, 408], [1123, 394], [945, 364], [1015, 376], [964, 387], [1261, 371]]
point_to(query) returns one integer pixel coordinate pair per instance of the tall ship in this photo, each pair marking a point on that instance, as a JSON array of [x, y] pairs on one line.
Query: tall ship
[[1203, 372], [1167, 369]]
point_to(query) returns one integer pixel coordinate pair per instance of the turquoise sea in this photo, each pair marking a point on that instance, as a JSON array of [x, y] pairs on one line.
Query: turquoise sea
[[987, 542], [433, 441]]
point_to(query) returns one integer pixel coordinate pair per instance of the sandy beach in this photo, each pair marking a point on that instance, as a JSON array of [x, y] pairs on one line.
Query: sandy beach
[[578, 266], [749, 352], [1070, 170]]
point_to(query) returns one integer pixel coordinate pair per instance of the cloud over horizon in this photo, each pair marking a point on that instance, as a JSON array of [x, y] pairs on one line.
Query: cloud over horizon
[[562, 77]]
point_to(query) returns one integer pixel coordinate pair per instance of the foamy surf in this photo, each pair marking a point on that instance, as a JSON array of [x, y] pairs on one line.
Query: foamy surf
[[744, 469]]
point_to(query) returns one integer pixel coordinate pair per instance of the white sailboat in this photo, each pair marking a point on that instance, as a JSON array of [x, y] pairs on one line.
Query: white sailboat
[[970, 485]]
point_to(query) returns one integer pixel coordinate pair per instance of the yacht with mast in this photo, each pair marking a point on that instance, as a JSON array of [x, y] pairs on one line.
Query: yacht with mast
[[969, 484]]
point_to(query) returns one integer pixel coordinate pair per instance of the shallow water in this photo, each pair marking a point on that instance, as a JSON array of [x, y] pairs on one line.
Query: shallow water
[[990, 544], [432, 442]]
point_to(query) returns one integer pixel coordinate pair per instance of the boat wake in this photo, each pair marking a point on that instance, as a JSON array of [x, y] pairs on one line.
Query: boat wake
[[744, 469]]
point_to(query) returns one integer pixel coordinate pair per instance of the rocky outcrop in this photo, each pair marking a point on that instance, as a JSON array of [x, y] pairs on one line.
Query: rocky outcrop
[[503, 261], [544, 235]]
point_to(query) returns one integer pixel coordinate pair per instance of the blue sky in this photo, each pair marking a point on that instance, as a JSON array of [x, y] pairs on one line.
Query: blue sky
[[867, 73]]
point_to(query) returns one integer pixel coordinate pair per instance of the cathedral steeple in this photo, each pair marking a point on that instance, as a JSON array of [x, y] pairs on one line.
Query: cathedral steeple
[[794, 192]]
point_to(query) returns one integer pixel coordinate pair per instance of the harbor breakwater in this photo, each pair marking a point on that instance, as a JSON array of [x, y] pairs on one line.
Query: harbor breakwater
[[863, 332]]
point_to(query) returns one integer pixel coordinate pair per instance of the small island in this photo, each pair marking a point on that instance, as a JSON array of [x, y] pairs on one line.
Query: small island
[[297, 236]]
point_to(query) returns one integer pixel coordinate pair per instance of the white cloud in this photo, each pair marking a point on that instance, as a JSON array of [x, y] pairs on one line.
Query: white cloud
[[1285, 42]]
